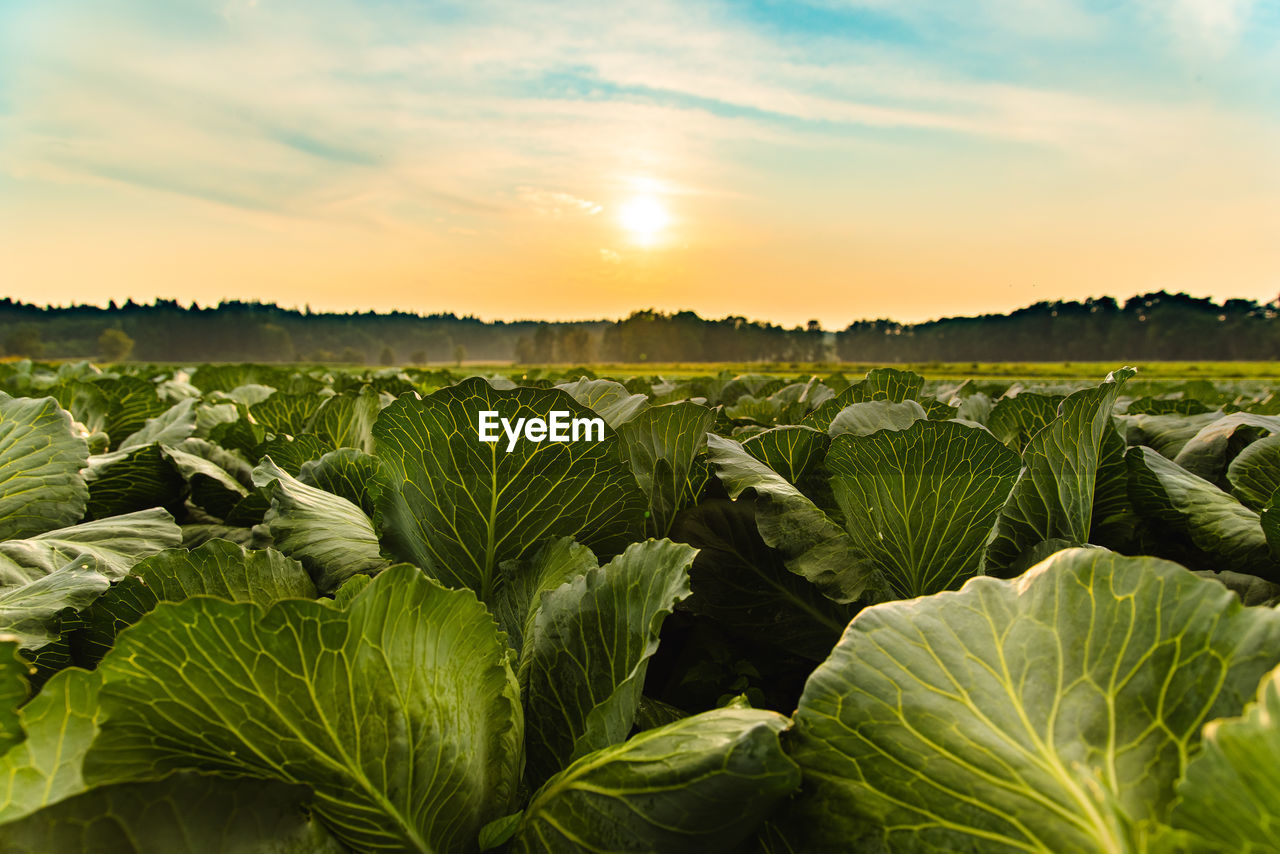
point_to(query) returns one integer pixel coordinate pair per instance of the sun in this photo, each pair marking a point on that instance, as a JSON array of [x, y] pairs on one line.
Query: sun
[[644, 219]]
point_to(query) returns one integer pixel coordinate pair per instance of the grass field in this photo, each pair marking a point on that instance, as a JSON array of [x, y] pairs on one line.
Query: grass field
[[1148, 370], [930, 370]]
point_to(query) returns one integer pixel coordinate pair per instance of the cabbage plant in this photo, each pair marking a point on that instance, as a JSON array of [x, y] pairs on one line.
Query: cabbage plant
[[265, 608]]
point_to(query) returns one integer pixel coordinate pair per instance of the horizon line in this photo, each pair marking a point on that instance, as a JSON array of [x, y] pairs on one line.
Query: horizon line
[[306, 311]]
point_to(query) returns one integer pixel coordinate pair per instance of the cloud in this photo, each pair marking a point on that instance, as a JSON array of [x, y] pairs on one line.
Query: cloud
[[1054, 20], [397, 114], [1212, 25], [556, 204]]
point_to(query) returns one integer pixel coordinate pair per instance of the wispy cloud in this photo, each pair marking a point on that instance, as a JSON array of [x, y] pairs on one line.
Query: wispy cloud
[[556, 204], [1212, 25], [280, 105]]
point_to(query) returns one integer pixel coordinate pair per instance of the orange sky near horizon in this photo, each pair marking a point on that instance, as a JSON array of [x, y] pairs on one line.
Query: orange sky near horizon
[[724, 158]]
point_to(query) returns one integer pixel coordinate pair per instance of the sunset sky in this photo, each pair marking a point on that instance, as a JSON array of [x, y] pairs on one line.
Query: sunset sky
[[830, 159]]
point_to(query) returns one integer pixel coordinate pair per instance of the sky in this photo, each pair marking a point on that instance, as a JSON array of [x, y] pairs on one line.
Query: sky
[[826, 159]]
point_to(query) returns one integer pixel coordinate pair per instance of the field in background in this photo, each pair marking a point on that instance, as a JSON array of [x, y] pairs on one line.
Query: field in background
[[1147, 370], [930, 370]]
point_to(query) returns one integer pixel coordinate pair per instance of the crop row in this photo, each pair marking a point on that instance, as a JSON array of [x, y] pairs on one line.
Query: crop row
[[249, 608]]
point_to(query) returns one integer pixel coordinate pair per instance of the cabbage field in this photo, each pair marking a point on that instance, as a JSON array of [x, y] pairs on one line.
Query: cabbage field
[[285, 609]]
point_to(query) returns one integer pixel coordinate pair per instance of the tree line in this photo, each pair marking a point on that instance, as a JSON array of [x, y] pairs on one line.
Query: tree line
[[1155, 326], [236, 331]]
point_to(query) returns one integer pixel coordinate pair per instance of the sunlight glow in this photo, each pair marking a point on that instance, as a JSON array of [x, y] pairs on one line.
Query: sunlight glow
[[644, 219]]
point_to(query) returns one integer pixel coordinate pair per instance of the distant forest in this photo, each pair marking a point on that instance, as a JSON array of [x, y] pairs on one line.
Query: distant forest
[[1156, 326]]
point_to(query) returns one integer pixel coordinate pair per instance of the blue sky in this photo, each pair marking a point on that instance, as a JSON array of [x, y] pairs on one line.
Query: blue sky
[[835, 159]]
